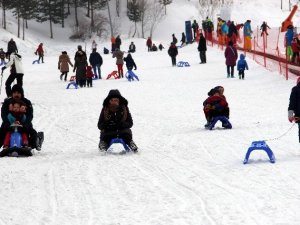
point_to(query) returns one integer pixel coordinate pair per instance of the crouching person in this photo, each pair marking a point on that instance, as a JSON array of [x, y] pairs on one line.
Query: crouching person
[[115, 121], [215, 105]]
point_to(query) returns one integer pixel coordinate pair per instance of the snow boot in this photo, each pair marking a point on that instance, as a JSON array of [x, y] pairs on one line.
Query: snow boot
[[102, 146], [133, 146], [39, 140]]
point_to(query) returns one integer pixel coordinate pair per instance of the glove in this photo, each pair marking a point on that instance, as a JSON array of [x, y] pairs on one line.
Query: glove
[[291, 116], [3, 68], [135, 68]]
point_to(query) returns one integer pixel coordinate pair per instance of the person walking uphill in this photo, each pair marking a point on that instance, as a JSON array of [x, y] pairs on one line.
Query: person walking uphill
[[63, 65], [11, 47], [115, 121], [294, 105], [40, 53], [119, 56], [231, 56], [202, 48], [16, 72], [173, 52]]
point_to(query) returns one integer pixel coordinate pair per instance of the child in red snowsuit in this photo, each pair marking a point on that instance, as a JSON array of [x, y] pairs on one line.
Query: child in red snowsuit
[[40, 52], [89, 76], [16, 116]]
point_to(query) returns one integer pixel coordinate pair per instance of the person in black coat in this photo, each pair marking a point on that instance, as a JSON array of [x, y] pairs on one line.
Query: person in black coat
[[35, 139], [96, 61], [294, 105], [118, 42], [11, 47], [131, 48], [173, 52], [130, 62], [202, 48], [115, 121], [183, 39]]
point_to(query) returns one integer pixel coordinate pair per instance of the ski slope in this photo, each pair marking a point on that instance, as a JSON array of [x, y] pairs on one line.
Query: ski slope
[[183, 174]]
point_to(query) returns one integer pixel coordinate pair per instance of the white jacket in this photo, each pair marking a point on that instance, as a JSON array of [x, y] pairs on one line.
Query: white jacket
[[17, 59]]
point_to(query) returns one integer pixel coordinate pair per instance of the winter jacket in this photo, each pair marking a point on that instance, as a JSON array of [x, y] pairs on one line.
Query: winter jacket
[[63, 63], [118, 42], [16, 60], [149, 42], [195, 26], [131, 48], [13, 117], [289, 36], [215, 103], [183, 38], [40, 50], [114, 121], [95, 59], [174, 39], [247, 29], [173, 52], [242, 63], [119, 55], [202, 44], [129, 62], [80, 66], [11, 47], [224, 28], [295, 45], [295, 100], [2, 54], [89, 72], [231, 55], [27, 123], [232, 30]]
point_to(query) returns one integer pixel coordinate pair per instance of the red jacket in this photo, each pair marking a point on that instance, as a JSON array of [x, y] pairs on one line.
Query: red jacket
[[89, 73], [40, 49], [149, 42]]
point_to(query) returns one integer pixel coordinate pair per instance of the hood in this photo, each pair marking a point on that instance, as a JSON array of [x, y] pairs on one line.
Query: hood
[[115, 93], [242, 57], [17, 88]]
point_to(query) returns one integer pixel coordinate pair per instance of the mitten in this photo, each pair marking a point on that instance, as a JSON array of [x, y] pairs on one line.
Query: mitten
[[3, 68]]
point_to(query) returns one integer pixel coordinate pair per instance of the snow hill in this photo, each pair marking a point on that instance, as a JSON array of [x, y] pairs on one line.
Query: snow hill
[[183, 174]]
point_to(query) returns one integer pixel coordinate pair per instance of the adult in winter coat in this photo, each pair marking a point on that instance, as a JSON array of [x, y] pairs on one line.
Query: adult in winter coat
[[35, 139], [202, 48], [294, 105], [80, 68], [154, 48], [2, 56], [115, 121], [288, 42], [118, 42], [231, 56], [96, 61], [79, 53], [160, 46], [183, 39], [40, 52], [247, 35], [130, 62], [119, 61], [131, 48], [11, 47], [16, 72], [63, 65], [173, 52], [149, 44], [195, 27], [264, 28], [174, 39]]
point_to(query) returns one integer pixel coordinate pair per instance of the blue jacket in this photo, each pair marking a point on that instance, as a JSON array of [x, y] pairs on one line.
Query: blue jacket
[[242, 63], [247, 29], [289, 36]]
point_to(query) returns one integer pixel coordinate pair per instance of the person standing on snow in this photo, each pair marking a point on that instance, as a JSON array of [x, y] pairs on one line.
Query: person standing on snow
[[173, 52], [40, 52], [96, 61], [294, 105], [119, 61], [11, 47], [16, 72], [63, 65], [241, 66], [115, 121], [149, 44], [202, 48], [231, 56]]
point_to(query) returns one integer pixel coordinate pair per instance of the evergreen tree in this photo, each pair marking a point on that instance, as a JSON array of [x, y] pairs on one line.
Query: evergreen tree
[[165, 3], [134, 13]]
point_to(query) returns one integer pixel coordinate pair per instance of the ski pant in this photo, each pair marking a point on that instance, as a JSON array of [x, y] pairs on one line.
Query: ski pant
[[230, 71], [173, 60], [41, 57], [6, 141], [241, 74], [120, 70], [125, 134], [203, 56], [96, 69], [32, 134], [10, 80]]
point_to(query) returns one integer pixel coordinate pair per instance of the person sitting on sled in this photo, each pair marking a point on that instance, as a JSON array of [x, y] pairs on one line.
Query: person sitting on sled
[[115, 121], [215, 105], [16, 116]]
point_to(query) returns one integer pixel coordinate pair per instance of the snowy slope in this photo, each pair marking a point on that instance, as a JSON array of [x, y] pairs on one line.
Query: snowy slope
[[182, 175]]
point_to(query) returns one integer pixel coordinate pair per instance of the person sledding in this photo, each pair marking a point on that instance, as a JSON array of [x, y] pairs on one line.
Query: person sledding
[[115, 121], [214, 106]]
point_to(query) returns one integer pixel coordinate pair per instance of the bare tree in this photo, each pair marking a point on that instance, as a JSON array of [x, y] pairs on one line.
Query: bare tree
[[208, 8], [118, 7], [154, 15]]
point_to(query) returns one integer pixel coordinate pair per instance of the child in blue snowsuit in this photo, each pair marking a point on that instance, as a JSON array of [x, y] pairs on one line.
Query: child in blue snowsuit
[[241, 66]]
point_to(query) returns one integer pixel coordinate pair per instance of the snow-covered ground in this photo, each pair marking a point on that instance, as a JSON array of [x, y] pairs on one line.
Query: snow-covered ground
[[183, 174]]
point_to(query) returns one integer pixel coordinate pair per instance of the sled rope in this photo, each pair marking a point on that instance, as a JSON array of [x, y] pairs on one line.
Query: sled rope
[[285, 133]]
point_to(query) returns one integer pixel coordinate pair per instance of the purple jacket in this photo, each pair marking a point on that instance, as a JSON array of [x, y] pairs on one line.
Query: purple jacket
[[231, 56]]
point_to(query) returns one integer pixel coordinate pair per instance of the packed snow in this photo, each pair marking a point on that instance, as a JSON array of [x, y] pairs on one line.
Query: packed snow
[[183, 174]]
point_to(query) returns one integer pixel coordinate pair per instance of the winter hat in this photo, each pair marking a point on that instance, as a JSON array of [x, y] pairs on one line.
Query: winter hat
[[115, 93], [17, 88], [298, 80]]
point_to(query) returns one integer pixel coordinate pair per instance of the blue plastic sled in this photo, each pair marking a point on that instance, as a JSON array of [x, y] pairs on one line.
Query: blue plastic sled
[[183, 64], [35, 61], [118, 141], [130, 75], [72, 83], [260, 145], [225, 122]]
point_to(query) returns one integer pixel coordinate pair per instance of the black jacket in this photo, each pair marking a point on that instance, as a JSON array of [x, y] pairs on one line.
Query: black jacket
[[202, 44], [29, 111], [12, 47], [129, 62], [295, 100], [173, 52], [95, 59], [115, 121]]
